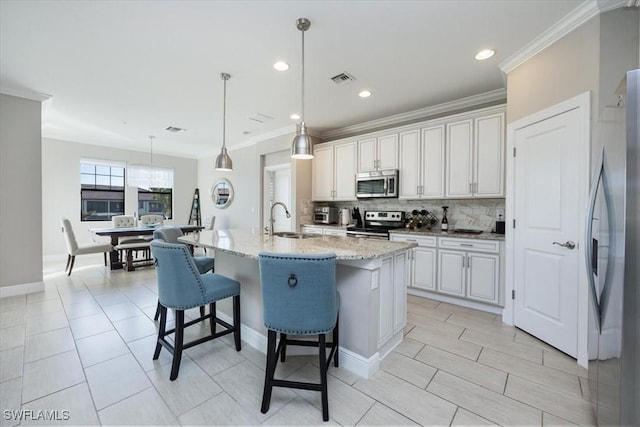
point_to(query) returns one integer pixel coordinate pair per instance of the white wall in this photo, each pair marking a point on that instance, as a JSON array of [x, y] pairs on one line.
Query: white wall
[[246, 209], [61, 187], [20, 189]]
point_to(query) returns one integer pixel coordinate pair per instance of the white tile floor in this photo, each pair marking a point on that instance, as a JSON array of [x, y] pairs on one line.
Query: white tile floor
[[84, 348]]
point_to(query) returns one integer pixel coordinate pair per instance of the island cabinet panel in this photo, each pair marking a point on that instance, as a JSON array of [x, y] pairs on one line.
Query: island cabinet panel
[[334, 170], [400, 292], [378, 153], [386, 293]]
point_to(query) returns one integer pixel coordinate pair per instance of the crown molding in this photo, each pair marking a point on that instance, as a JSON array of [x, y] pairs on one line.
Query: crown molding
[[25, 93], [263, 137], [570, 22], [423, 113]]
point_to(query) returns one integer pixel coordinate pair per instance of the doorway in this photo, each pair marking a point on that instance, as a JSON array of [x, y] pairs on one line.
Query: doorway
[[277, 188], [549, 180]]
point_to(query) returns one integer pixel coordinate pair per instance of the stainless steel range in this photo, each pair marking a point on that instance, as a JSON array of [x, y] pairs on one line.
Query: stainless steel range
[[377, 224]]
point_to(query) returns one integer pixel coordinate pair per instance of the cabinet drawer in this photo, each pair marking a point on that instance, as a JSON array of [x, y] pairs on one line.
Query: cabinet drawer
[[312, 230], [428, 241], [470, 244]]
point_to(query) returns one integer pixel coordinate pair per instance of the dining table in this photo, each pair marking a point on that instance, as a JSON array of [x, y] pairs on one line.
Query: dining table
[[115, 233]]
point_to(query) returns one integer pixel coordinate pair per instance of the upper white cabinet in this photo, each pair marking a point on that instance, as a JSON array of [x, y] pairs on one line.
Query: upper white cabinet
[[334, 170], [378, 153], [422, 163], [475, 157]]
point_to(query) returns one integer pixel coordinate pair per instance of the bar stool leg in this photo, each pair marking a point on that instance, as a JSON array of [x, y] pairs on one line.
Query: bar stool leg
[[336, 342], [161, 330], [283, 346], [236, 322], [323, 376], [269, 371], [178, 340], [212, 319]]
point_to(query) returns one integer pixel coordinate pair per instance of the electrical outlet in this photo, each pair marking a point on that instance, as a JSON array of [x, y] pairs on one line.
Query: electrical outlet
[[500, 214]]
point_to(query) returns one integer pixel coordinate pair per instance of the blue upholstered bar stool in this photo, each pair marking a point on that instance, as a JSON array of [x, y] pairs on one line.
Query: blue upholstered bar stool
[[181, 287], [203, 263], [299, 297]]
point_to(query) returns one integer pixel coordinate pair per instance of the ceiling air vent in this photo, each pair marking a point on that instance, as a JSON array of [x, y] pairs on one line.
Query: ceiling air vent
[[260, 118], [174, 129], [343, 78]]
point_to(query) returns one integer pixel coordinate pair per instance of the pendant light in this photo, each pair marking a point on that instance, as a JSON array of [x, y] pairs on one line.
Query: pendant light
[[223, 161], [302, 146]]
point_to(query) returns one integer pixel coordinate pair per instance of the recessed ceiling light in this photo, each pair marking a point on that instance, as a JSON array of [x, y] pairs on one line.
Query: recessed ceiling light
[[485, 54], [281, 66], [364, 94], [295, 117]]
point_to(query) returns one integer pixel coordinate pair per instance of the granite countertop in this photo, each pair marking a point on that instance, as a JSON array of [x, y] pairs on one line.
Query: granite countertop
[[438, 233], [250, 242]]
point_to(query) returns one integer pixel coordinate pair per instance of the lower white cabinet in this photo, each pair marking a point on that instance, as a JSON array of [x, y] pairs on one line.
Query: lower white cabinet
[[464, 268], [327, 231], [421, 265]]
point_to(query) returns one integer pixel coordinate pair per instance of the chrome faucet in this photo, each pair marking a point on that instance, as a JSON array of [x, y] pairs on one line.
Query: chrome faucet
[[271, 220]]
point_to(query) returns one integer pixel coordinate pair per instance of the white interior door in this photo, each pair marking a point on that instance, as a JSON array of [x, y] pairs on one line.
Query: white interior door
[[547, 209]]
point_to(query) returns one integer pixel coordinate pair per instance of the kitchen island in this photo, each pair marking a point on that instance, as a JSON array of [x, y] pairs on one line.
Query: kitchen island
[[371, 279]]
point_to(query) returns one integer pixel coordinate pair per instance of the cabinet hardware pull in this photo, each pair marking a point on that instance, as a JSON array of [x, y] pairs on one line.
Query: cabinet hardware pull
[[466, 244]]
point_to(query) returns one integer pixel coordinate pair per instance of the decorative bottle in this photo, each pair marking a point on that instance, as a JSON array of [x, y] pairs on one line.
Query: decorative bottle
[[444, 224]]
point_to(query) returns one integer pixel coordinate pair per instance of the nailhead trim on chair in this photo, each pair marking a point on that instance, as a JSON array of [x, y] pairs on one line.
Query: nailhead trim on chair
[[195, 272]]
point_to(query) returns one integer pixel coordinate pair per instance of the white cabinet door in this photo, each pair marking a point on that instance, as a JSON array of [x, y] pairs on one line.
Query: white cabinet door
[[367, 155], [459, 159], [388, 152], [432, 157], [489, 156], [451, 272], [424, 268], [483, 277], [410, 165], [345, 171], [378, 153], [322, 178]]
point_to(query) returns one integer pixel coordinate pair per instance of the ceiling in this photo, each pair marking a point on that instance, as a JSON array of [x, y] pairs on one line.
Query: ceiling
[[120, 71]]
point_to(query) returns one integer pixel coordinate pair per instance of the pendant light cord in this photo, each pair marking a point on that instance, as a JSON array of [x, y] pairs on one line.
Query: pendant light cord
[[302, 117], [151, 149], [224, 112]]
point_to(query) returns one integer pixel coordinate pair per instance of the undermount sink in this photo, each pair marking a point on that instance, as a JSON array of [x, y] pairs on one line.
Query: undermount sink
[[294, 235]]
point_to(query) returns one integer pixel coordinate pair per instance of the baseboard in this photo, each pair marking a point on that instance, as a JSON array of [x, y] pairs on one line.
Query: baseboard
[[25, 288], [349, 360]]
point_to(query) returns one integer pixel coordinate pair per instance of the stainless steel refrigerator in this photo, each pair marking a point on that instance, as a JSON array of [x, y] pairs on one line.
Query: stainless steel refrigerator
[[613, 221]]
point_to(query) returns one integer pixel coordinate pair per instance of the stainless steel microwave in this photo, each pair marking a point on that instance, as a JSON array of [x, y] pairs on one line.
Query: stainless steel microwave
[[377, 184]]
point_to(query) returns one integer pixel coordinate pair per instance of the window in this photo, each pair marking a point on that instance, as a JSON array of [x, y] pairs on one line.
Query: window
[[155, 189], [157, 201], [101, 190]]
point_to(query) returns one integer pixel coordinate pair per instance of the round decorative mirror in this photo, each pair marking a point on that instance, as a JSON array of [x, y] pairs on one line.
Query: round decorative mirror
[[222, 193]]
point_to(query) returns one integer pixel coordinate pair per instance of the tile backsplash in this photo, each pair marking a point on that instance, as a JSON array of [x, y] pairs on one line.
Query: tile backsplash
[[464, 213]]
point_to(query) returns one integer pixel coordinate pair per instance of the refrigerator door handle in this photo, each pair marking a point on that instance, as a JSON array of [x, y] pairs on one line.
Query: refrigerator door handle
[[589, 236]]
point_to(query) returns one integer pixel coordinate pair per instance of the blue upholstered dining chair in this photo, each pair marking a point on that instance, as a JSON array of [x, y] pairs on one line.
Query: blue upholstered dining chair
[[181, 287], [203, 263], [299, 297]]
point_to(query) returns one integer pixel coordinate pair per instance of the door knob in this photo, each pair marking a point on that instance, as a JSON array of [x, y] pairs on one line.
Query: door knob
[[568, 244]]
